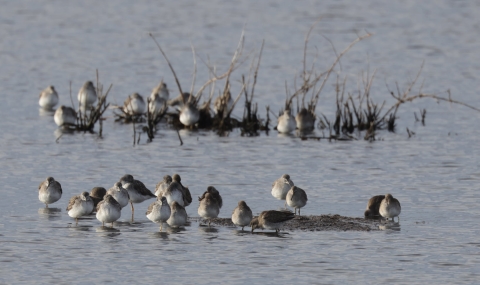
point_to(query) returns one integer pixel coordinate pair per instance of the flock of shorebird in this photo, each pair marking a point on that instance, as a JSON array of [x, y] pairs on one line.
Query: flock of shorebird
[[186, 103], [172, 198]]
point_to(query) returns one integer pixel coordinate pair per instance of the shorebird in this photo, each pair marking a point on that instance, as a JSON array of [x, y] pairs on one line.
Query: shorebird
[[189, 114], [49, 191], [65, 116], [373, 206], [305, 120], [208, 208], [215, 194], [242, 215], [163, 185], [286, 122], [281, 186], [174, 193], [178, 216], [161, 90], [296, 198], [156, 105], [48, 98], [120, 194], [187, 197], [180, 99], [87, 95], [108, 210], [159, 211], [134, 105], [390, 207], [136, 190], [223, 103], [97, 194], [271, 220], [80, 205]]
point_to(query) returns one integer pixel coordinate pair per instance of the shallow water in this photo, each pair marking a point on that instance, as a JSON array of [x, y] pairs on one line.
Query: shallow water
[[433, 174]]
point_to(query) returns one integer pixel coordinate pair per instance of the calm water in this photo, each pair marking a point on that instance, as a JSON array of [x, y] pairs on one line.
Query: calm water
[[434, 174]]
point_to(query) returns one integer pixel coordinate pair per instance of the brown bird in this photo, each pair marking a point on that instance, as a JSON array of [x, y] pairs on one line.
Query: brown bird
[[215, 194], [271, 220], [373, 206], [296, 198], [390, 207], [97, 194], [242, 215], [187, 197], [208, 208]]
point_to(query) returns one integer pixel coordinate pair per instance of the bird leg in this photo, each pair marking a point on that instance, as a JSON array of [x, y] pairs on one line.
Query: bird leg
[[46, 206], [299, 211], [112, 225], [103, 224], [76, 221]]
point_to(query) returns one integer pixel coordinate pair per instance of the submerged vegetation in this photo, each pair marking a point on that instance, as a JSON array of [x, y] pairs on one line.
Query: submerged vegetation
[[356, 114]]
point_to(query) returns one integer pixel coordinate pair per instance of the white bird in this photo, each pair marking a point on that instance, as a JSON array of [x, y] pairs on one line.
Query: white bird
[[296, 198], [281, 186], [189, 114], [48, 98], [80, 205], [390, 207], [87, 95], [178, 216], [159, 211], [108, 210], [134, 105], [65, 116], [120, 194], [137, 191], [242, 215], [49, 191], [161, 90], [163, 185], [286, 122]]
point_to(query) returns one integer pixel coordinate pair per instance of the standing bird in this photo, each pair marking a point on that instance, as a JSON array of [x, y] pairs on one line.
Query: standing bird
[[97, 194], [174, 193], [373, 206], [159, 211], [108, 210], [49, 191], [215, 194], [281, 186], [48, 98], [180, 99], [80, 205], [286, 122], [187, 197], [271, 220], [134, 105], [163, 185], [87, 95], [120, 194], [136, 190], [296, 198], [160, 90], [65, 116], [223, 104], [156, 105], [189, 114], [178, 216], [390, 207], [208, 208], [305, 120], [242, 215]]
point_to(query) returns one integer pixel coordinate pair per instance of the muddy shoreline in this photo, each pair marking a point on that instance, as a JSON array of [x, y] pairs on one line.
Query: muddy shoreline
[[312, 223]]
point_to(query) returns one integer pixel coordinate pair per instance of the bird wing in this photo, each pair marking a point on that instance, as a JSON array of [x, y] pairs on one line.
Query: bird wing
[[72, 202], [150, 208], [142, 188]]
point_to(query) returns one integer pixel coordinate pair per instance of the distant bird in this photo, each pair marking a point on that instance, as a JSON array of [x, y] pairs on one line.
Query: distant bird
[[281, 186], [223, 103], [49, 191], [134, 105], [120, 194], [87, 95], [242, 215], [189, 114], [390, 207], [208, 208], [373, 206], [163, 185], [174, 193], [305, 120], [271, 220], [97, 194], [108, 210], [187, 197], [159, 211], [136, 190], [286, 122], [296, 198], [215, 194], [65, 116], [156, 105], [161, 90], [48, 98], [178, 216], [181, 99], [80, 205]]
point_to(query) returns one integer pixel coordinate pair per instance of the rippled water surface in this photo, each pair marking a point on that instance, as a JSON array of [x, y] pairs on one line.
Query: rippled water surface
[[434, 174]]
